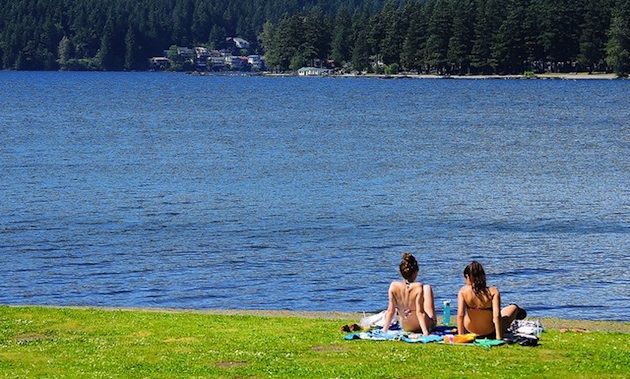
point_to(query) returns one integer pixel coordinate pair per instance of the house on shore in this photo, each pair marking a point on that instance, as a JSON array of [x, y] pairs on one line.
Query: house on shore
[[158, 63], [313, 71]]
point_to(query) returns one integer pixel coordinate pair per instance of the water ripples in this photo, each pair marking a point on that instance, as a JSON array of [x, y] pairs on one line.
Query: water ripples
[[262, 199]]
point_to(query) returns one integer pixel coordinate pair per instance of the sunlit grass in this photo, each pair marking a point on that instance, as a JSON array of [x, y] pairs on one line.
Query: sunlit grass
[[41, 342]]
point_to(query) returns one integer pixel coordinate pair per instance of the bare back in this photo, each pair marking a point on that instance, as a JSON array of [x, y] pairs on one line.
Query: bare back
[[408, 300], [481, 310]]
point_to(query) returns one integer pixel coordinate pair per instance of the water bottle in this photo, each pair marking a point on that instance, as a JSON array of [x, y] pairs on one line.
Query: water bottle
[[446, 319]]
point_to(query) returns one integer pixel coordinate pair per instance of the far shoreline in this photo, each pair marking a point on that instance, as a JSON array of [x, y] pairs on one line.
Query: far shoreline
[[570, 76], [567, 325], [546, 76]]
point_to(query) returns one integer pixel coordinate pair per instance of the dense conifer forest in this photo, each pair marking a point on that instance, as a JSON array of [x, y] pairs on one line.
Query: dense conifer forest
[[390, 36]]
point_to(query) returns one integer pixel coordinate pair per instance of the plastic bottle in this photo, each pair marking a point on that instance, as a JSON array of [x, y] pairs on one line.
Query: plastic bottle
[[446, 319]]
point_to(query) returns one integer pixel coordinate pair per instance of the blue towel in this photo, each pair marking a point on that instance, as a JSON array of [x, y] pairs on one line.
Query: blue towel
[[376, 335], [413, 338], [437, 335], [393, 335]]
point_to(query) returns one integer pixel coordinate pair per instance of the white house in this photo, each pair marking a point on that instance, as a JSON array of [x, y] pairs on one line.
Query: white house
[[241, 43], [313, 71], [158, 63], [254, 61], [185, 52], [216, 62]]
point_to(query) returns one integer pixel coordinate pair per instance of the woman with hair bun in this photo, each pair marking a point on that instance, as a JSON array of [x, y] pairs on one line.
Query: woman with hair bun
[[412, 300], [479, 306]]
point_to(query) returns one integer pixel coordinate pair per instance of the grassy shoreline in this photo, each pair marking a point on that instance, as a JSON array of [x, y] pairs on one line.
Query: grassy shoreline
[[548, 322], [80, 342]]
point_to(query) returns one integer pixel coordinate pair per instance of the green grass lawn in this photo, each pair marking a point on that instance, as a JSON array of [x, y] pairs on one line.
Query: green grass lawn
[[43, 342]]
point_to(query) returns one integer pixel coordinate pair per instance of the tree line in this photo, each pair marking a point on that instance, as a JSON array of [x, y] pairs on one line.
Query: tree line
[[459, 37], [425, 36]]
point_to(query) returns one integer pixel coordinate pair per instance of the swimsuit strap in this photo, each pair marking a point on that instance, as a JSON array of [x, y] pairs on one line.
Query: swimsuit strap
[[481, 308]]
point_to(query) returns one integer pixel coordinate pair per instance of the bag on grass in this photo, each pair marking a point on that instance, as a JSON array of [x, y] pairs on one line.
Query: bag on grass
[[378, 321]]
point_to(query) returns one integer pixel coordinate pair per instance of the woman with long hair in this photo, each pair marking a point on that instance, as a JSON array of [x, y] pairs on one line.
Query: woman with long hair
[[412, 300], [479, 306]]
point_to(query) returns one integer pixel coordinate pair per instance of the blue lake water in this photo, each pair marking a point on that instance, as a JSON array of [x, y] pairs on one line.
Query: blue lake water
[[172, 190]]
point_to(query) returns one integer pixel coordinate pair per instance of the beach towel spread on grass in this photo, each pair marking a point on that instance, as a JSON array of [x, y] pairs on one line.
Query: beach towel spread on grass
[[523, 332], [393, 335], [435, 336], [397, 334]]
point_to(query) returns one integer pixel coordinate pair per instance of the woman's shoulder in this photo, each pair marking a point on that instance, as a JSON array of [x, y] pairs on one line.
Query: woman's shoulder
[[397, 285], [465, 289]]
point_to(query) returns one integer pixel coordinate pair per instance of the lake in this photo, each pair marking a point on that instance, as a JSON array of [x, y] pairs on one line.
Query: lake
[[251, 192]]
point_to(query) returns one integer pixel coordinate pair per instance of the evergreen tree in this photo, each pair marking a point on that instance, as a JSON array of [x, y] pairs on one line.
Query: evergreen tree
[[509, 52], [316, 37], [267, 38], [593, 34], [459, 44], [412, 57], [66, 49], [183, 17], [559, 37], [618, 47], [489, 16], [361, 48], [201, 23], [106, 59], [592, 42], [340, 44], [392, 26], [439, 34], [287, 42], [134, 59]]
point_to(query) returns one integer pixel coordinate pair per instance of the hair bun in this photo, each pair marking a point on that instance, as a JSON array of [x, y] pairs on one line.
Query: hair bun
[[408, 266]]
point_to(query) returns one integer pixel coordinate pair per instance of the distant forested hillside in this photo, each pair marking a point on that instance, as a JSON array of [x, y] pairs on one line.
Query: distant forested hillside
[[434, 36]]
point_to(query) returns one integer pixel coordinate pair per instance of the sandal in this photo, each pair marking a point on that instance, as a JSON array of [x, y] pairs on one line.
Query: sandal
[[351, 328]]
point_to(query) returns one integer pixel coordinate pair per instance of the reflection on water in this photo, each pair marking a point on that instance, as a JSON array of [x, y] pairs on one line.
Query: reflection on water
[[153, 189]]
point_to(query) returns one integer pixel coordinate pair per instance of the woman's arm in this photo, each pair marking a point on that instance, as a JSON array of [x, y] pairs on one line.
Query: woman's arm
[[461, 311], [496, 313], [420, 314], [391, 309]]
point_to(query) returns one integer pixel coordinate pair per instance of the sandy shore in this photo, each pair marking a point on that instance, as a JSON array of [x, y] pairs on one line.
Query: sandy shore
[[549, 323]]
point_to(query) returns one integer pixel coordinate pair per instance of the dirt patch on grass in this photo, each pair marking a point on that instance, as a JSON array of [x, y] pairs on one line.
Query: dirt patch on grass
[[181, 340], [335, 349], [230, 364], [31, 337], [580, 326]]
